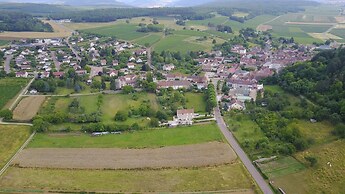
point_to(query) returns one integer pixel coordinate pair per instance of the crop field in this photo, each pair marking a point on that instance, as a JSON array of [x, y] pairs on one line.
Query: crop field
[[59, 32], [340, 32], [231, 178], [281, 167], [121, 31], [153, 138], [28, 108], [182, 43], [9, 88], [83, 26], [196, 101], [148, 40], [3, 42], [207, 154], [11, 139], [326, 177]]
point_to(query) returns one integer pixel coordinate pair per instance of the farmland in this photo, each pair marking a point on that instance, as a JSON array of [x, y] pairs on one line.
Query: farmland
[[59, 31], [9, 88], [225, 178], [11, 138], [140, 139], [28, 108], [206, 154]]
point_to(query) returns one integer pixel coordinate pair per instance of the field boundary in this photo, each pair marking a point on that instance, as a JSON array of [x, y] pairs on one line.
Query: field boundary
[[16, 154]]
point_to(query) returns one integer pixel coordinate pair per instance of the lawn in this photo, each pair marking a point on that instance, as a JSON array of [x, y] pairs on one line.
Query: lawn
[[221, 178], [196, 101], [121, 31], [281, 167], [11, 139], [326, 177], [9, 88], [139, 139]]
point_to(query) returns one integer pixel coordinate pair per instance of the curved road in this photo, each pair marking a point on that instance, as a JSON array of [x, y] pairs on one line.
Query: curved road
[[241, 154]]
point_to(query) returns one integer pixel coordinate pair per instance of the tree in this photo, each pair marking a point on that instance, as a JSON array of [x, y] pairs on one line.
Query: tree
[[96, 84], [121, 116], [127, 89], [339, 131], [312, 160], [40, 125], [154, 122], [6, 114], [112, 84]]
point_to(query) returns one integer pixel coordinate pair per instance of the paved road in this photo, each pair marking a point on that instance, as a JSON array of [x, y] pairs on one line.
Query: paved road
[[149, 59], [72, 48], [241, 154], [7, 67]]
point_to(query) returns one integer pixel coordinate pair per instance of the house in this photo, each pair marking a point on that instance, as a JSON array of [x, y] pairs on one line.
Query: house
[[185, 116], [115, 63], [130, 65], [127, 80], [113, 73], [81, 72], [103, 62], [33, 91], [131, 59], [140, 52], [176, 84], [139, 60], [168, 67], [22, 74], [58, 74], [235, 105]]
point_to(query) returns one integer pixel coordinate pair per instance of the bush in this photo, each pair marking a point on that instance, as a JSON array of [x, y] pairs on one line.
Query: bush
[[312, 160], [339, 131], [121, 116], [6, 114]]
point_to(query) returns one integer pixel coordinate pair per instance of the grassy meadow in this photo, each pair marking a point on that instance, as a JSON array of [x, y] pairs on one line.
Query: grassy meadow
[[9, 88], [152, 138], [227, 178], [11, 139]]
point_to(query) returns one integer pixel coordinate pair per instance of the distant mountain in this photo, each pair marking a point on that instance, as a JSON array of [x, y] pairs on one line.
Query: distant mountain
[[189, 3], [113, 3]]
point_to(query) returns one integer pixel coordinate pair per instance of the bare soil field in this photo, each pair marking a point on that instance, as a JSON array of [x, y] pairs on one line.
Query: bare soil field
[[28, 108], [59, 32], [264, 28], [197, 155]]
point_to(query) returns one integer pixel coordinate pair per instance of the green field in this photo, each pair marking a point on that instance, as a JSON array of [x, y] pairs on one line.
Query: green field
[[148, 40], [4, 42], [138, 139], [11, 139], [326, 177], [339, 32], [281, 167], [121, 31], [9, 88], [182, 43], [230, 177], [196, 101]]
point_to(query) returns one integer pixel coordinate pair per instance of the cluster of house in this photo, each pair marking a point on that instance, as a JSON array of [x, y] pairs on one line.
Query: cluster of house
[[243, 71]]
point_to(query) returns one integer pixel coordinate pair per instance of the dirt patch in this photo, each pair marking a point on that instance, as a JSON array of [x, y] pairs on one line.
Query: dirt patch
[[264, 28], [207, 154], [28, 108]]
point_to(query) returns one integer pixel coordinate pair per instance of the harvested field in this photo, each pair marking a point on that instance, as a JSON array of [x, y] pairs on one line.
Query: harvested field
[[325, 36], [59, 32], [28, 108], [207, 154]]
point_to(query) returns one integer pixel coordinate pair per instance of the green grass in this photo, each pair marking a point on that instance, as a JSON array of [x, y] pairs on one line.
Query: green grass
[[121, 31], [322, 178], [9, 88], [11, 139], [148, 40], [4, 42], [182, 43], [281, 167], [114, 103], [227, 177], [215, 20], [138, 139], [339, 32], [196, 101]]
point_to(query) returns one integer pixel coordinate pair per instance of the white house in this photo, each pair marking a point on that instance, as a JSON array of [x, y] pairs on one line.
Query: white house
[[168, 67], [22, 74], [185, 116]]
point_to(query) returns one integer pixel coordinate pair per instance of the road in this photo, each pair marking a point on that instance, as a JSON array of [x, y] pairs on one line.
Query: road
[[56, 62], [72, 48], [241, 154], [7, 67], [149, 58]]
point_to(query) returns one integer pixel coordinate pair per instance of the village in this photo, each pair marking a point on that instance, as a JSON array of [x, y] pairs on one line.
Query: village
[[127, 66]]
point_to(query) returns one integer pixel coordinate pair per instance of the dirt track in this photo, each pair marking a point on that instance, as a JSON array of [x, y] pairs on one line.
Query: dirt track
[[28, 108], [113, 158]]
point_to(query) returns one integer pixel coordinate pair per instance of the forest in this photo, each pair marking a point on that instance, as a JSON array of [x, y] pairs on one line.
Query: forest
[[15, 21]]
